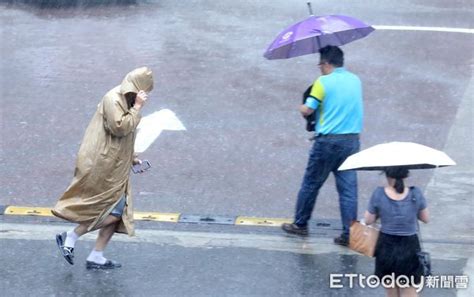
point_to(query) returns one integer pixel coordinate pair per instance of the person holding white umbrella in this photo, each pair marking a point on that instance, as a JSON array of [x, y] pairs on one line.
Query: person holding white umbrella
[[398, 208]]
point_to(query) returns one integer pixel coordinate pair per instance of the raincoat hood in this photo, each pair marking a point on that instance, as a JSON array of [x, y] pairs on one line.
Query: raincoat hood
[[136, 80]]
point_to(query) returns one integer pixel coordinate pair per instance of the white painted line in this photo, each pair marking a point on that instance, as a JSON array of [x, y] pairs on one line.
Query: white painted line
[[187, 239], [207, 240], [150, 128], [432, 29]]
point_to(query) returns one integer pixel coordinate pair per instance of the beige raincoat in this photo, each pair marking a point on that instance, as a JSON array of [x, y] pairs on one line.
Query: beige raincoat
[[103, 163]]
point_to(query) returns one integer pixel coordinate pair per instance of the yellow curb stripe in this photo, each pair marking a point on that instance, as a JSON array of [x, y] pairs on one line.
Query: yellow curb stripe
[[46, 212], [253, 221], [28, 211], [149, 216], [156, 216]]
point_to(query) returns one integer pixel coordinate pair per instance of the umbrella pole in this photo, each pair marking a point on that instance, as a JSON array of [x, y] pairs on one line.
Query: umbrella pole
[[310, 8]]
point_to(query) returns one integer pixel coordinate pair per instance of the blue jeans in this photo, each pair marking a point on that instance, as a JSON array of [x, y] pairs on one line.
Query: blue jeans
[[327, 154]]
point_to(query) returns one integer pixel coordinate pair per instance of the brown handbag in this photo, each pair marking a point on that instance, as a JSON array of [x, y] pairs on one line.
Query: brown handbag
[[363, 238]]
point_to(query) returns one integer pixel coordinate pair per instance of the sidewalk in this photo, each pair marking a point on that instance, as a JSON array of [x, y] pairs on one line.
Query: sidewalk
[[217, 262]]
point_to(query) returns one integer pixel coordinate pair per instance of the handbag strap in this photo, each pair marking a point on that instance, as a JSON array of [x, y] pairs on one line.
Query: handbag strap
[[419, 233], [417, 221]]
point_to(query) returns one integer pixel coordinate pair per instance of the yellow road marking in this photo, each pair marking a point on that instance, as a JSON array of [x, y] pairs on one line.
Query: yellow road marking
[[28, 211], [149, 216], [46, 212], [252, 221]]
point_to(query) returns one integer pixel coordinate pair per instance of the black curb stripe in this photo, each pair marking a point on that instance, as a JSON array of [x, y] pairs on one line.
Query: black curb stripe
[[208, 219]]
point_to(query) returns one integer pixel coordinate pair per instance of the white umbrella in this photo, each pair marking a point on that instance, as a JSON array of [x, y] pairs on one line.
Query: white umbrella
[[407, 154]]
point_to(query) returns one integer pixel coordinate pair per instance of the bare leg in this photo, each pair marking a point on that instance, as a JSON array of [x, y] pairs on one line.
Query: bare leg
[[393, 292], [96, 259], [106, 232], [82, 228], [66, 241], [73, 235], [408, 292]]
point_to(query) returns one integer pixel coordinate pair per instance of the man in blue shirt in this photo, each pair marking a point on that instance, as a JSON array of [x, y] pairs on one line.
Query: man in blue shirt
[[336, 97]]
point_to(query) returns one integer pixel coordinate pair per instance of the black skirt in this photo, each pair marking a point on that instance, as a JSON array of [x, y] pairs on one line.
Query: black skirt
[[397, 254]]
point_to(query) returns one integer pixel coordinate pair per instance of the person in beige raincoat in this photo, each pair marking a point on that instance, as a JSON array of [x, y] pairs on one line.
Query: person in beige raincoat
[[99, 196]]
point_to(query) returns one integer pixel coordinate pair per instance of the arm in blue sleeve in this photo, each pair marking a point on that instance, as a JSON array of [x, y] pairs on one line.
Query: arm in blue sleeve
[[312, 103], [373, 203]]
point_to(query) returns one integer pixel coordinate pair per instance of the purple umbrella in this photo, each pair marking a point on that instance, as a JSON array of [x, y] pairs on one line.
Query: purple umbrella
[[308, 36]]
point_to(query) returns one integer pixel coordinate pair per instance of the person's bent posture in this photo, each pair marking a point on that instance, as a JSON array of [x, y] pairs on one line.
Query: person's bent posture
[[99, 196]]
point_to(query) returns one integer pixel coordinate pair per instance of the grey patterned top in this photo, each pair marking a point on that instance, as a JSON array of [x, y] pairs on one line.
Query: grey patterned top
[[398, 217]]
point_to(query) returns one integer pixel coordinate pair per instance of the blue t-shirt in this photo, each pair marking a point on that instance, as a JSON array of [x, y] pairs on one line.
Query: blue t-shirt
[[398, 217], [337, 101]]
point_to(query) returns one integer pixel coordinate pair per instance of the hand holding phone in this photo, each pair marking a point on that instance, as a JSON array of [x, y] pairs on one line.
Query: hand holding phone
[[141, 167]]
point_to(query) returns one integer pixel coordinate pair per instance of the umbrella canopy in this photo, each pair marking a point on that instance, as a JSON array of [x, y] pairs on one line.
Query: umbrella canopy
[[315, 32], [407, 154]]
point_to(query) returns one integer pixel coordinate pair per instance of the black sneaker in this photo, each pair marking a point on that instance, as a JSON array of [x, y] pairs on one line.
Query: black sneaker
[[109, 264], [294, 229], [342, 240], [66, 252]]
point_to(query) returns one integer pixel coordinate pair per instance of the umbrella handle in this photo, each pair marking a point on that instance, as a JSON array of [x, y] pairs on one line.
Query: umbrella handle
[[310, 8]]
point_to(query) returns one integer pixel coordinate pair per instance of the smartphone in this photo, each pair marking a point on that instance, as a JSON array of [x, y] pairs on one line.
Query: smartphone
[[144, 166]]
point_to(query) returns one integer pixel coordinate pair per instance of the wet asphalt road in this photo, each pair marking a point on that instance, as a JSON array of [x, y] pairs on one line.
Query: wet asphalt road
[[215, 261], [196, 272], [244, 150]]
